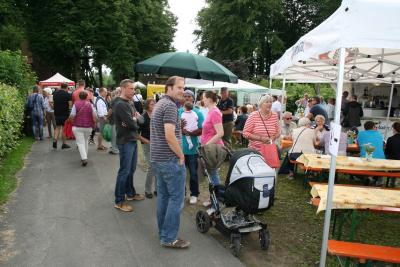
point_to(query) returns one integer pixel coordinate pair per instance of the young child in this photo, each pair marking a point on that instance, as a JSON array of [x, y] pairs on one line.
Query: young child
[[191, 120]]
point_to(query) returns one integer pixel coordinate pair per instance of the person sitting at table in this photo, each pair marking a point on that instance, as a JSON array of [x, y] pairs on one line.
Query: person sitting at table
[[392, 150], [287, 126], [320, 128], [373, 137], [324, 142], [303, 142]]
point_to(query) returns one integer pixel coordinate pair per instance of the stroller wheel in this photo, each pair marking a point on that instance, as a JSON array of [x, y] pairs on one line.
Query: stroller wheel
[[264, 239], [235, 244], [203, 221]]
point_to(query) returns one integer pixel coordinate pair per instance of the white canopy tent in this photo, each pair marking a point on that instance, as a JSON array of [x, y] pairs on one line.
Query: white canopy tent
[[56, 80], [361, 33]]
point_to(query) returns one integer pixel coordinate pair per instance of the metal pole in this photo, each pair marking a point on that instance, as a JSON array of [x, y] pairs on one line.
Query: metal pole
[[332, 169], [270, 83], [390, 107], [284, 90]]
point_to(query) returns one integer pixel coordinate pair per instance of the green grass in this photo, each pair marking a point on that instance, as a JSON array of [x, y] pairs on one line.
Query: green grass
[[10, 165]]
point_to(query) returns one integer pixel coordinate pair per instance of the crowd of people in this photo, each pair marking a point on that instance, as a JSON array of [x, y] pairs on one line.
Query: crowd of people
[[172, 129]]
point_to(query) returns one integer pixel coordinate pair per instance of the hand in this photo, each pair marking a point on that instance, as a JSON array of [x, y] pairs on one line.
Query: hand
[[137, 114], [183, 124], [185, 132], [182, 160]]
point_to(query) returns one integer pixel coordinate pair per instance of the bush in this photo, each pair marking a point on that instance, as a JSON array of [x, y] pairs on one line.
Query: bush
[[11, 117], [15, 71]]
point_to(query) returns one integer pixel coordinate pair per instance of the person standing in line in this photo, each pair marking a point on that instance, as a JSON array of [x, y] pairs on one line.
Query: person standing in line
[[48, 105], [101, 106], [83, 118], [115, 96], [225, 105], [191, 153], [167, 162], [276, 106], [62, 102], [352, 113], [127, 124], [145, 140], [36, 107]]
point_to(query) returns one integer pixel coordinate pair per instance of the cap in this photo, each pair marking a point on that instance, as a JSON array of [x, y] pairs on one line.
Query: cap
[[188, 92]]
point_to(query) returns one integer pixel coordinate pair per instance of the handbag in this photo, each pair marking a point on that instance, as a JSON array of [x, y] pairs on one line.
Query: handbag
[[269, 151], [289, 156]]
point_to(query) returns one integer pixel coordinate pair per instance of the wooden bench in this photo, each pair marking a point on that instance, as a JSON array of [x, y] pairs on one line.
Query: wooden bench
[[364, 252]]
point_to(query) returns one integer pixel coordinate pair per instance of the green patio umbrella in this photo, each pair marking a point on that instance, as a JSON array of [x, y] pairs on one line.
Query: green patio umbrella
[[187, 65]]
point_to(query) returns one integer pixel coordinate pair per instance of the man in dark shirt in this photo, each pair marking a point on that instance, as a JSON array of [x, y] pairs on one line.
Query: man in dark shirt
[[317, 109], [225, 105], [62, 103], [392, 150], [126, 121]]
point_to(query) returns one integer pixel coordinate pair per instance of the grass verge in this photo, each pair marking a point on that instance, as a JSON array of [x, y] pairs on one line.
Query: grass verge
[[10, 165]]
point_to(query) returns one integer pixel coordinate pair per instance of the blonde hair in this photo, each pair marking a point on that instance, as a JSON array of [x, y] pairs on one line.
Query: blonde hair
[[265, 98], [320, 117]]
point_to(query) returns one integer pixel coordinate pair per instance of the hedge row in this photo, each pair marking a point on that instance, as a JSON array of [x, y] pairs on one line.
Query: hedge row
[[11, 117], [16, 80]]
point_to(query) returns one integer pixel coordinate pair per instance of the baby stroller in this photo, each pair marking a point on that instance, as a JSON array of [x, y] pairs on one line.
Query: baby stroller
[[249, 189]]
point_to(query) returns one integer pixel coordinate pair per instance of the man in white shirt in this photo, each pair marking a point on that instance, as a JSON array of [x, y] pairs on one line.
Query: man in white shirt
[[102, 111], [276, 106]]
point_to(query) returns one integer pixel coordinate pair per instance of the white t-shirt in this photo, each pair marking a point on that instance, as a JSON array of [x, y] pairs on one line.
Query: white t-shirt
[[101, 107], [191, 120], [305, 141], [137, 98], [276, 107]]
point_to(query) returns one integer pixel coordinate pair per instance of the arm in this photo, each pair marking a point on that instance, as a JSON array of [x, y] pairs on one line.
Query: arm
[[227, 112], [144, 140], [173, 143], [220, 133], [248, 131], [125, 117]]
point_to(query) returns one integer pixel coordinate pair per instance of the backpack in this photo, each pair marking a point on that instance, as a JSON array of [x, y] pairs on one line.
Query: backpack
[[31, 105]]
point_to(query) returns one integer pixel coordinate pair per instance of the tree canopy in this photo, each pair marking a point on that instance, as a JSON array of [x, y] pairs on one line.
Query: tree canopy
[[73, 36], [257, 31]]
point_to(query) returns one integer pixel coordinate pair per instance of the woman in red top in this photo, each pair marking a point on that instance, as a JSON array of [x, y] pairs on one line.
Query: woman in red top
[[262, 126]]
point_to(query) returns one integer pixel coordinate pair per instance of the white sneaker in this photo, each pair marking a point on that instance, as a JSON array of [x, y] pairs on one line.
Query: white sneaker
[[207, 203], [210, 211], [193, 200]]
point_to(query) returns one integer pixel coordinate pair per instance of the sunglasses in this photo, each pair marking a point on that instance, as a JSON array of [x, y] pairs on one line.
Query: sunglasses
[[288, 118]]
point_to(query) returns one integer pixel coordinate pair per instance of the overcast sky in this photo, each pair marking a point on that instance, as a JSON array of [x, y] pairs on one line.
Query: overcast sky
[[186, 11]]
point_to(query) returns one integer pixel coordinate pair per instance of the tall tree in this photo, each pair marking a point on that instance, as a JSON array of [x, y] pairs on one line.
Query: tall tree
[[11, 25]]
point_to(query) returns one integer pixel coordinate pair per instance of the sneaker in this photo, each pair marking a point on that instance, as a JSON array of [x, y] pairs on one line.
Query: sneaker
[[65, 146], [91, 142], [179, 243], [84, 162], [112, 152], [136, 197], [148, 195], [210, 211], [193, 200], [123, 207], [207, 203], [55, 144], [290, 177]]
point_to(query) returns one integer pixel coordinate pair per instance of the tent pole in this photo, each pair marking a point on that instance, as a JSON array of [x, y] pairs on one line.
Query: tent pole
[[270, 83], [390, 107], [332, 169], [284, 91]]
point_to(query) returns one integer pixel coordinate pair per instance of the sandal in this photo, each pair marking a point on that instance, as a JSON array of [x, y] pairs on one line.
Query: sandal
[[179, 243], [102, 148]]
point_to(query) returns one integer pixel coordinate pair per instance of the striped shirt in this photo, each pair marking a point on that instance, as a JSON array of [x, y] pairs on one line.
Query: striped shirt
[[254, 125], [165, 111]]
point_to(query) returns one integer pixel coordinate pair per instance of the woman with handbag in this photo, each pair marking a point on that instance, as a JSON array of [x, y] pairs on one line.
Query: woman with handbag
[[262, 130], [83, 118]]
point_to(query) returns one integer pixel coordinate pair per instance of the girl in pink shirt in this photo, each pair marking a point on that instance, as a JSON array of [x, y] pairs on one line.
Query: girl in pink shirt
[[212, 127]]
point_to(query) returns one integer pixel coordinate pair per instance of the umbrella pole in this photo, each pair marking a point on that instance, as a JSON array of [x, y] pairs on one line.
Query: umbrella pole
[[388, 114], [333, 161]]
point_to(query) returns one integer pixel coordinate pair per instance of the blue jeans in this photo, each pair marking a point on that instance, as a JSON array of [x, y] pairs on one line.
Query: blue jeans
[[170, 195], [127, 166], [214, 176], [192, 164], [37, 125]]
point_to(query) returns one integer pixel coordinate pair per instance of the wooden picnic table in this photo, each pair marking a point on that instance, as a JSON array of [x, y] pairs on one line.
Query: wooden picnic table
[[351, 148]]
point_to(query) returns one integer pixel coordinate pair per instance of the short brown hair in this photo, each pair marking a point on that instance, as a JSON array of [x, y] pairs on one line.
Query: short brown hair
[[172, 81], [147, 103], [64, 85], [211, 95], [81, 82], [124, 82], [396, 126], [83, 95]]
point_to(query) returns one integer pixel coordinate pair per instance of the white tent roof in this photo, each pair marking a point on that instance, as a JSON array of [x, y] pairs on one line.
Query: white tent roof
[[240, 85], [369, 29], [56, 80]]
